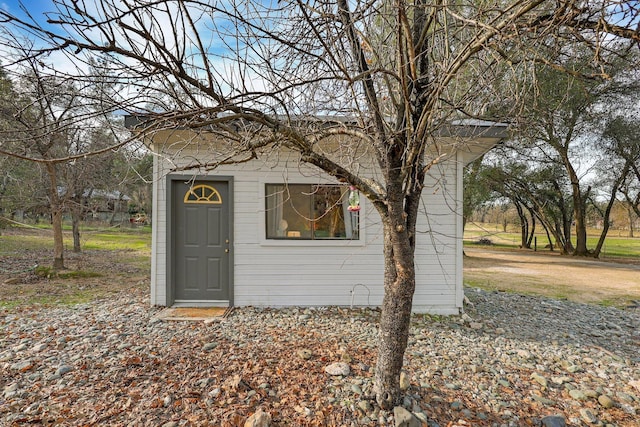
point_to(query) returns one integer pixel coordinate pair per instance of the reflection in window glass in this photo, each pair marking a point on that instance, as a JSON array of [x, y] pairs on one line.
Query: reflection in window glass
[[311, 212]]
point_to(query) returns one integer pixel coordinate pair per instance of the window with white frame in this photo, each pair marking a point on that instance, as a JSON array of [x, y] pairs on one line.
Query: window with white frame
[[312, 212]]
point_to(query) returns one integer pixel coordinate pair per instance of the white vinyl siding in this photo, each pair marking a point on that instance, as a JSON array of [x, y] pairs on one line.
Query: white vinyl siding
[[320, 273]]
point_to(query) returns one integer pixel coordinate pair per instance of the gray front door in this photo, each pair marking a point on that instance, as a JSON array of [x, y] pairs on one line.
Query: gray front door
[[201, 237]]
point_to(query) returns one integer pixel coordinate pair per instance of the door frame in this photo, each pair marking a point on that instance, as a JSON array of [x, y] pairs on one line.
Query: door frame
[[170, 230]]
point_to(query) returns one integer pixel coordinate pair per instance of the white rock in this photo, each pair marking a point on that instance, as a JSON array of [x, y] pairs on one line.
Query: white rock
[[338, 368], [258, 419], [404, 418], [405, 383]]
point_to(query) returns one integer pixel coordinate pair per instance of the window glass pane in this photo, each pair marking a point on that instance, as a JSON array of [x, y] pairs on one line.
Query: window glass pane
[[328, 212], [297, 211], [303, 211], [288, 211]]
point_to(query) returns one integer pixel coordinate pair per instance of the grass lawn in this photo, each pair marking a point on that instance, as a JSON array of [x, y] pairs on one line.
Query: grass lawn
[[615, 246], [111, 260]]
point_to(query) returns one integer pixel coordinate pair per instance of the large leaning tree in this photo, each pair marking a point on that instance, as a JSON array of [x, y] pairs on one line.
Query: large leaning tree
[[562, 124], [399, 70]]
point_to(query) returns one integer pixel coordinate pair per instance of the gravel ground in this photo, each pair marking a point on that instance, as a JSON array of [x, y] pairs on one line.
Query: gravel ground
[[510, 361]]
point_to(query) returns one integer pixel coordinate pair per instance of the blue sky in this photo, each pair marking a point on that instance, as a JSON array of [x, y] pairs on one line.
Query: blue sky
[[35, 7]]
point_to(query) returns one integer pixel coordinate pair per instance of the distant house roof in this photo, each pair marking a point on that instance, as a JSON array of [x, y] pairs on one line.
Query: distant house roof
[[108, 195], [99, 194], [476, 128]]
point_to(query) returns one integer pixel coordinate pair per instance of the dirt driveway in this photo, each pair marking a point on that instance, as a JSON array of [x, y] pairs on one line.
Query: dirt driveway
[[544, 273]]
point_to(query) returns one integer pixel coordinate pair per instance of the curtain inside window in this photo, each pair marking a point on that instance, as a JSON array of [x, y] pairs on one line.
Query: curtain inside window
[[276, 224]]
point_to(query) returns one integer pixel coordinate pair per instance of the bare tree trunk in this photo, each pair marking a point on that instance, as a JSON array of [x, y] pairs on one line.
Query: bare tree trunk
[[548, 236], [75, 226], [396, 312], [607, 213], [532, 231], [567, 245], [56, 218], [579, 210], [631, 219], [603, 234], [548, 228], [524, 226]]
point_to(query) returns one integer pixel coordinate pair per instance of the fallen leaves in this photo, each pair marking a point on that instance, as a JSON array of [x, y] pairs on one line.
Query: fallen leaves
[[130, 371]]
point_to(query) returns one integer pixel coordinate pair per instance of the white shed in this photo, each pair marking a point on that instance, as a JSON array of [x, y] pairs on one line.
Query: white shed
[[274, 232]]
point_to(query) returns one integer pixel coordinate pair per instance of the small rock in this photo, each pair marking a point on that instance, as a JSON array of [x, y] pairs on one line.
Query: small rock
[[539, 379], [504, 383], [363, 366], [578, 395], [635, 384], [628, 409], [404, 381], [64, 369], [11, 390], [574, 369], [560, 380], [475, 325], [6, 356], [235, 383], [625, 397], [209, 346], [456, 405], [364, 406], [303, 410], [606, 401], [338, 368], [345, 357], [542, 400], [592, 394], [304, 353], [525, 354], [204, 382], [422, 417], [587, 416], [258, 419], [554, 421], [404, 418], [22, 366], [39, 347], [21, 347]]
